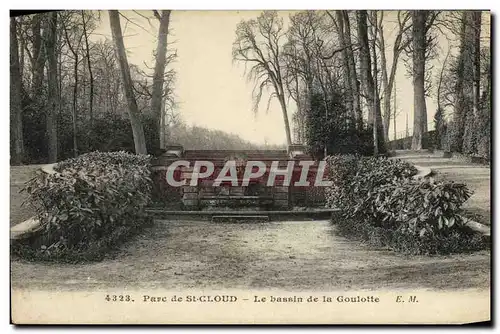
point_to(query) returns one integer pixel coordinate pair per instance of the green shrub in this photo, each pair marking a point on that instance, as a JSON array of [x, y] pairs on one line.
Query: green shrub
[[89, 205], [353, 175], [382, 203]]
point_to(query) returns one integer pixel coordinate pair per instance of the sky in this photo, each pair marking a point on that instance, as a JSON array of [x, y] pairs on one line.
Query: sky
[[212, 91]]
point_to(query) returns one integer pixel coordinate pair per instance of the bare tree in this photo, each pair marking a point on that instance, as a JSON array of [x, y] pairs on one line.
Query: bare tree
[[439, 95], [16, 109], [258, 43], [135, 117], [298, 53], [159, 73], [388, 77], [293, 83]]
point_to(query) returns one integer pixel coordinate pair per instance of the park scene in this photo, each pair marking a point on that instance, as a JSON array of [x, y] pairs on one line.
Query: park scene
[[291, 150]]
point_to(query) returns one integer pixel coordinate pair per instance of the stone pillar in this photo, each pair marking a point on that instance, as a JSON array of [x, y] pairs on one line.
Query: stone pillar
[[281, 196], [176, 150], [296, 150], [190, 198]]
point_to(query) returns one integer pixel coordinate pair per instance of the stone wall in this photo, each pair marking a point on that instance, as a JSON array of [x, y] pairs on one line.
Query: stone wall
[[257, 195]]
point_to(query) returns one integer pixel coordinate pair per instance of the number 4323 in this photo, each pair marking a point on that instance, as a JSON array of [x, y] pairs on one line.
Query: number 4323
[[118, 298]]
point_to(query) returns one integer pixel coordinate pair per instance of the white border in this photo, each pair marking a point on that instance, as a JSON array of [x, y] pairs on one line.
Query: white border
[[188, 5]]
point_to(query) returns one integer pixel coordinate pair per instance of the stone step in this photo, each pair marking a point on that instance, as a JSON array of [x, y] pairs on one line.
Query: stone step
[[240, 219]]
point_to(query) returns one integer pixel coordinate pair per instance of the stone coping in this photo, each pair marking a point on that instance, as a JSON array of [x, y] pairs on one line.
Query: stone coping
[[478, 227], [422, 172], [49, 168], [32, 225], [240, 212], [25, 229]]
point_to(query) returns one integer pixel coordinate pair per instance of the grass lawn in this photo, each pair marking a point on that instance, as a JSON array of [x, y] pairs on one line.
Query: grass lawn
[[18, 176], [476, 177]]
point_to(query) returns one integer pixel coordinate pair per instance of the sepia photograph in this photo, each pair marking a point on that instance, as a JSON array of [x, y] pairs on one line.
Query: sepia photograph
[[250, 166]]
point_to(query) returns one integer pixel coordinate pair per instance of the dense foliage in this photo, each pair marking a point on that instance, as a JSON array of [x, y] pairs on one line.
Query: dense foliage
[[112, 132], [106, 133], [468, 130], [201, 138], [90, 95], [87, 206], [382, 203]]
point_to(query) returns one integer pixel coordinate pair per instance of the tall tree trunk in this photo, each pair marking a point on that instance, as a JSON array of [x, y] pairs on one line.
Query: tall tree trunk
[[477, 62], [376, 102], [281, 98], [457, 133], [159, 74], [75, 93], [75, 90], [163, 125], [16, 109], [22, 46], [471, 69], [388, 78], [301, 112], [352, 68], [440, 81], [378, 29], [395, 112], [133, 111], [324, 90], [278, 88], [419, 18], [87, 49], [386, 117], [365, 62], [345, 61], [407, 131], [53, 97], [367, 81]]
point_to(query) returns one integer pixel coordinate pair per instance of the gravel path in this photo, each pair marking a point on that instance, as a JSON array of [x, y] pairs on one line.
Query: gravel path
[[278, 255], [476, 176]]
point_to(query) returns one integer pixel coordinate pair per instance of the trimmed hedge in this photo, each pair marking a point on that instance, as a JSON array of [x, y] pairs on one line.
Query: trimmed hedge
[[383, 204], [91, 204]]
